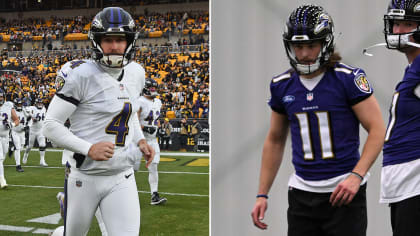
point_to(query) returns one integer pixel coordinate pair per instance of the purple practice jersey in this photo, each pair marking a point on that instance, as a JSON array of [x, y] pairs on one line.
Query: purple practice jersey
[[324, 128], [402, 139]]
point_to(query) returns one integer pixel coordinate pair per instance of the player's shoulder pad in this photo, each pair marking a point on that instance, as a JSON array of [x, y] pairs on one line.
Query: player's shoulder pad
[[342, 68], [76, 67], [357, 75], [134, 70], [282, 77], [8, 104], [73, 70]]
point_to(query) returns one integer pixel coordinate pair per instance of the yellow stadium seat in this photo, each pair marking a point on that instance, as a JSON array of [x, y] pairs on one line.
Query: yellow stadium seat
[[6, 38], [155, 34], [170, 115]]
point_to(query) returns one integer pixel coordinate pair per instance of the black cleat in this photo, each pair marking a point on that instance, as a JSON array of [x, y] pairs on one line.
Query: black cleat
[[19, 168], [157, 200]]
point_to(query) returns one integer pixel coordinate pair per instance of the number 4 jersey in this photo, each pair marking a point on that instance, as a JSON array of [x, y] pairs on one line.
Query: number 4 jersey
[[106, 108], [324, 128]]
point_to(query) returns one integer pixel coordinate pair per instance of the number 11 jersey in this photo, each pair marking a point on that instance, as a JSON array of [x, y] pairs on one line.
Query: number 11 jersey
[[324, 128]]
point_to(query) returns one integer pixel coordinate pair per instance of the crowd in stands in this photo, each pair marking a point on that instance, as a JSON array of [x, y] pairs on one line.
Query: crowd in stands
[[183, 77], [147, 24]]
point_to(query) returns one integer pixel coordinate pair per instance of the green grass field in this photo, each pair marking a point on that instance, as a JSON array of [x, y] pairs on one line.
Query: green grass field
[[32, 194]]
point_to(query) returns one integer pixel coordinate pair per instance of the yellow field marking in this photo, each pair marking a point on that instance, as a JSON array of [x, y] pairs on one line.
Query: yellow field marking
[[164, 159], [199, 162]]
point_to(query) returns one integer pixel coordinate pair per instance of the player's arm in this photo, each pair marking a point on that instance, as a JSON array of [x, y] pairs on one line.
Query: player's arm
[[272, 156], [54, 129], [15, 118], [145, 148], [138, 117], [370, 116]]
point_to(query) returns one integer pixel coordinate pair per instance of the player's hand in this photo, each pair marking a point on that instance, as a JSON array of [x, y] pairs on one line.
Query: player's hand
[[258, 213], [101, 151], [345, 191], [147, 150]]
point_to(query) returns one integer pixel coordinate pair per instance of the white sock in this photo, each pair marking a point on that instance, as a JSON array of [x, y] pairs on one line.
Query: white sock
[[17, 157], [28, 149], [42, 156], [1, 169], [101, 222], [153, 177]]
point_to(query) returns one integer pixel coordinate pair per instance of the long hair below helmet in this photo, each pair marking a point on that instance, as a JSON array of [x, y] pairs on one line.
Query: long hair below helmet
[[307, 24]]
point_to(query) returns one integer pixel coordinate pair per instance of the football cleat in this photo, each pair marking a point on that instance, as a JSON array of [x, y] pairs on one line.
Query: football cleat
[[3, 183], [19, 168], [44, 164], [157, 200]]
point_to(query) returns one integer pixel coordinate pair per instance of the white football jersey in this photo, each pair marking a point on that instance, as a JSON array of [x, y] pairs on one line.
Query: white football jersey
[[24, 119], [150, 112], [105, 108], [6, 118], [38, 117]]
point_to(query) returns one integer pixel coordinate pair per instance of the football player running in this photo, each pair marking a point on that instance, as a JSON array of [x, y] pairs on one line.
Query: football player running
[[149, 113], [18, 132], [38, 119], [99, 97], [323, 102], [400, 178], [8, 119]]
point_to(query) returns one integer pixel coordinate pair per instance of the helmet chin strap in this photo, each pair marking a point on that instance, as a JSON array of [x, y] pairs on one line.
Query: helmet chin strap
[[395, 41], [308, 69], [113, 61]]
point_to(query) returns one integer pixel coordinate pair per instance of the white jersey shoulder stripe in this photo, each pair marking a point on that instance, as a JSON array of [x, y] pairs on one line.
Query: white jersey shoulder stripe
[[347, 71], [347, 66], [281, 77]]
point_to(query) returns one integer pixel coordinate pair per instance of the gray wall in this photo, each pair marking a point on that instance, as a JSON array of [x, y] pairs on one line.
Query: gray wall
[[246, 51]]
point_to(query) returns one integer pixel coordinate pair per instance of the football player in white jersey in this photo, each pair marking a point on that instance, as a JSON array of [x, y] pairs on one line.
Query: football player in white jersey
[[18, 132], [38, 117], [8, 119], [99, 97], [149, 113]]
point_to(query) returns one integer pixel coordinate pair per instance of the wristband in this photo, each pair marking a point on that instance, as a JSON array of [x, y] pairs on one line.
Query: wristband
[[357, 174], [262, 195]]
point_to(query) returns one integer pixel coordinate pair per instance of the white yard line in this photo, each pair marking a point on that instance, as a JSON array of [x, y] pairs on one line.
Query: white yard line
[[53, 187]]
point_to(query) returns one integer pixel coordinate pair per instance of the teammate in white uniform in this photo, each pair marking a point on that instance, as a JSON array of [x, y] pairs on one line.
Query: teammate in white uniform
[[18, 132], [100, 99], [8, 119], [38, 117], [149, 113]]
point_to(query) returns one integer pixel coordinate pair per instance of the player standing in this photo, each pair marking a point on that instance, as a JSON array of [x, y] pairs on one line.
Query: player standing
[[400, 180], [99, 97], [18, 132], [35, 133], [323, 102], [8, 119], [149, 113]]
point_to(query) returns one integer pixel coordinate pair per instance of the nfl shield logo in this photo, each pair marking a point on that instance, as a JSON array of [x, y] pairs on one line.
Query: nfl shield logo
[[78, 183], [309, 96], [121, 87]]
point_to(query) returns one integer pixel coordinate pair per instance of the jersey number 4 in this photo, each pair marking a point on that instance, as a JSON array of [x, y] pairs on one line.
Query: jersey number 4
[[119, 125], [324, 133]]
